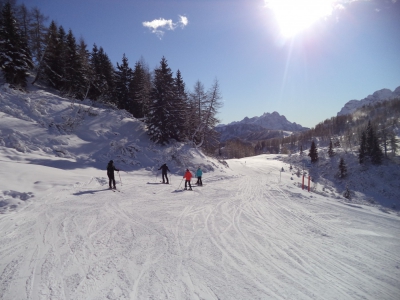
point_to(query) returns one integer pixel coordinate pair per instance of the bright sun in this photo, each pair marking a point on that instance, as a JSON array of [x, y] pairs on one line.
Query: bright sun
[[294, 16]]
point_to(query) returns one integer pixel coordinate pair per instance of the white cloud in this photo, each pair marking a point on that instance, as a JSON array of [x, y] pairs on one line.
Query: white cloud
[[159, 26], [155, 24], [183, 21]]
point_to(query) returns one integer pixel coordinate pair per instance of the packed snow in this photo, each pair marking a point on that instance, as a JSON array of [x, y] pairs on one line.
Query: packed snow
[[251, 232]]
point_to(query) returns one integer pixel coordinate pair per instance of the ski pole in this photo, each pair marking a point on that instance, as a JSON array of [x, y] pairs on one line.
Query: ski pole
[[119, 177], [180, 184]]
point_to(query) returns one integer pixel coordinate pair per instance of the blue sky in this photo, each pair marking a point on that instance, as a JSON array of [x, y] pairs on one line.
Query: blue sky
[[347, 53]]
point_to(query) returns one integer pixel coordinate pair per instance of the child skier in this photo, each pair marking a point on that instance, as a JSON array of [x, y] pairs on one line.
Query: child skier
[[199, 173], [187, 176]]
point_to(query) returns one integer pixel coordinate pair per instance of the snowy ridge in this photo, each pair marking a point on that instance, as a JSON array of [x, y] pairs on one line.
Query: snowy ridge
[[378, 96]]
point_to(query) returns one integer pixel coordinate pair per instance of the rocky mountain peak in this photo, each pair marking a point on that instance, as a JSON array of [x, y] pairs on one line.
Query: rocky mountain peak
[[376, 97]]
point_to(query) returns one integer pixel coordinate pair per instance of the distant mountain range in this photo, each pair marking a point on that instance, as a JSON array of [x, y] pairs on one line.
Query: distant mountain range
[[271, 125], [378, 96], [267, 126], [273, 121]]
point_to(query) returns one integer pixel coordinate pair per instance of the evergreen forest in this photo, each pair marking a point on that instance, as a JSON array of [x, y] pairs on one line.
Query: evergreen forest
[[44, 52]]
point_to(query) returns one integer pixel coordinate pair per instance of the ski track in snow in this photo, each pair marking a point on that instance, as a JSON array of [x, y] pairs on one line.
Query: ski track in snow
[[243, 236]]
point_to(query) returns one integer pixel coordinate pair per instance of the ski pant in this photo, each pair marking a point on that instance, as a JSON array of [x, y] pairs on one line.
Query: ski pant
[[199, 182], [164, 177], [111, 179], [186, 182]]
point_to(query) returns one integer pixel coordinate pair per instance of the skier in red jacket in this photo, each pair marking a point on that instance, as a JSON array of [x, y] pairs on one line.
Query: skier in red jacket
[[187, 177]]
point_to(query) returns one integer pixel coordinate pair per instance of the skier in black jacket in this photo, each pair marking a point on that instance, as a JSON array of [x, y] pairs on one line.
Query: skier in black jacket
[[164, 169], [110, 173]]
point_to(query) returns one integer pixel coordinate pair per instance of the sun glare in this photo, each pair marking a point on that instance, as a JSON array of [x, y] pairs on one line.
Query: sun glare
[[294, 16]]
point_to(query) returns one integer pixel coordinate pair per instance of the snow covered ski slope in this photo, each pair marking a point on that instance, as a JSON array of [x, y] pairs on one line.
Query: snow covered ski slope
[[247, 234]]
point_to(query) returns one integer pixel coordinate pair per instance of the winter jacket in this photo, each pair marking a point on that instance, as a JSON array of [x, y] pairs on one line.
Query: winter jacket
[[199, 172], [111, 168], [188, 175], [164, 169]]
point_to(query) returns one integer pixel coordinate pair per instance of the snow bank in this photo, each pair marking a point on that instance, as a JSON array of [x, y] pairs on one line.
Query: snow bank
[[376, 185]]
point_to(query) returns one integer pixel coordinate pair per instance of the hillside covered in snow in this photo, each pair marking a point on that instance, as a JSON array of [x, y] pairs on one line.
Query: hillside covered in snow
[[85, 133]]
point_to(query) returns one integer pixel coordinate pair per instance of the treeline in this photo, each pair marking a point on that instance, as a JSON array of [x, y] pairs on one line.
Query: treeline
[[58, 60], [371, 133], [347, 131]]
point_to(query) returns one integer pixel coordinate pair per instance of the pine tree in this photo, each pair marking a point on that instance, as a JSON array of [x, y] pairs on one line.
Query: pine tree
[[86, 71], [144, 98], [362, 151], [178, 106], [60, 55], [43, 68], [369, 146], [376, 153], [95, 89], [160, 120], [139, 90], [331, 153], [122, 79], [106, 77], [342, 168], [370, 137], [54, 59], [74, 79], [102, 76], [313, 154], [393, 143], [15, 57]]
